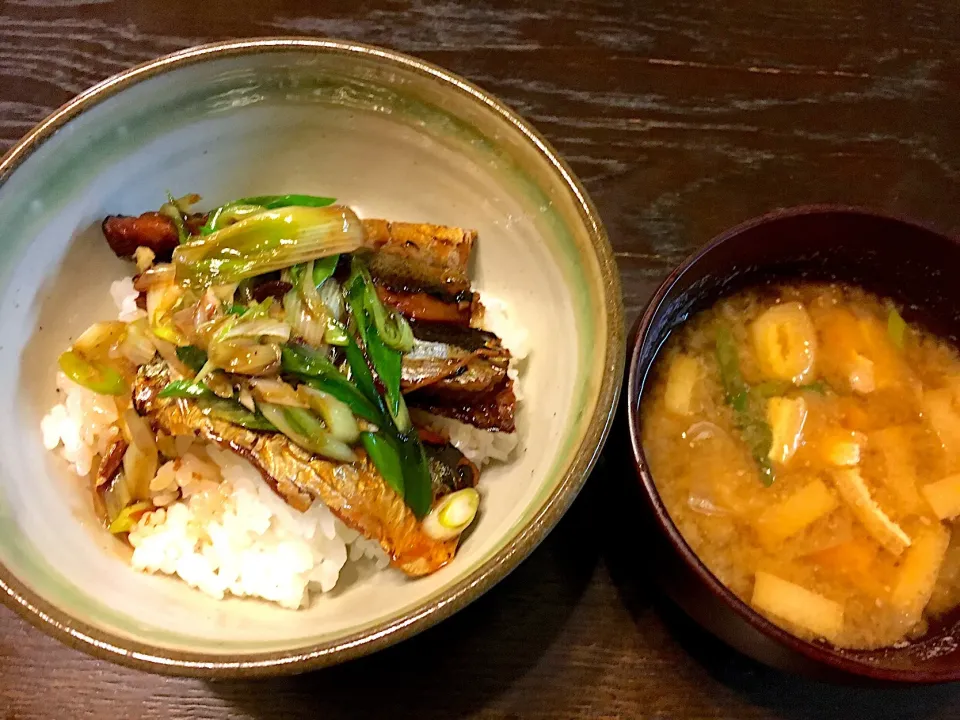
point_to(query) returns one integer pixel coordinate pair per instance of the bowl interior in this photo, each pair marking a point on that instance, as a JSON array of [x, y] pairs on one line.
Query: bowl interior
[[386, 137], [891, 257]]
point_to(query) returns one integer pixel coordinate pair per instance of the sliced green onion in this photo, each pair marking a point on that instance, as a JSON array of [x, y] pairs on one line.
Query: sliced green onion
[[165, 332], [233, 412], [163, 300], [308, 289], [316, 370], [302, 360], [303, 324], [336, 334], [192, 356], [172, 211], [245, 356], [896, 328], [238, 209], [236, 309], [754, 429], [228, 214], [452, 515], [303, 428], [267, 241], [271, 202], [335, 414], [817, 386], [773, 388], [137, 345], [96, 376], [332, 297], [391, 326], [264, 329], [385, 458], [348, 395], [257, 310], [323, 269], [306, 308], [277, 392], [142, 457], [207, 369], [362, 377], [97, 340], [185, 388], [728, 359], [129, 516], [417, 484], [385, 360]]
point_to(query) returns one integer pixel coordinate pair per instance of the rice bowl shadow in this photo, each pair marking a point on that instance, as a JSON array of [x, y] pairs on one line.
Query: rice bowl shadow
[[792, 696]]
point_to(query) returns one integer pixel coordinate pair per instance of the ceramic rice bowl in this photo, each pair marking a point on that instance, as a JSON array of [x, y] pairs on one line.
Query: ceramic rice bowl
[[389, 135]]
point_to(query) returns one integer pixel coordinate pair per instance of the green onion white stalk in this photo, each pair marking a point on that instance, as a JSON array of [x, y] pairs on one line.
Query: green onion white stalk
[[452, 515], [336, 414], [141, 459], [267, 241], [307, 431]]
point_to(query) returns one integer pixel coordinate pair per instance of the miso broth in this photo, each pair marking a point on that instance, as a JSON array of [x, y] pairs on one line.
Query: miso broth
[[806, 443]]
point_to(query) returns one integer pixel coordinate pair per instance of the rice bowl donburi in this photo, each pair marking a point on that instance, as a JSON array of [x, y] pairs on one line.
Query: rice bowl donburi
[[288, 389]]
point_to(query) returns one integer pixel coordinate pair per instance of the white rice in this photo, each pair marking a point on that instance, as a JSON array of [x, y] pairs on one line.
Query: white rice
[[232, 534], [83, 423], [479, 446], [219, 527], [498, 319], [125, 298], [483, 446]]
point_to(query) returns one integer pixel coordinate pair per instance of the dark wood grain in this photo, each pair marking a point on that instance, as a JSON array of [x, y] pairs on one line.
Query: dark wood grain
[[682, 117]]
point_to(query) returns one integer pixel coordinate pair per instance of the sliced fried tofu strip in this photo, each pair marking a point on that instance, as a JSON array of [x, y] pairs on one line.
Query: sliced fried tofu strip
[[900, 469], [856, 494], [786, 417], [944, 496], [788, 517], [939, 412], [797, 605], [919, 569], [682, 378], [841, 448]]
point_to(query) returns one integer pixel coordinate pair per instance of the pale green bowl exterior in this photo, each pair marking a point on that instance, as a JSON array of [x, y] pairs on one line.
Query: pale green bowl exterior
[[394, 137]]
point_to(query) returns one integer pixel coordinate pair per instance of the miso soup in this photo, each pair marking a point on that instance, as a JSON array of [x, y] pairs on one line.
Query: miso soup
[[806, 443]]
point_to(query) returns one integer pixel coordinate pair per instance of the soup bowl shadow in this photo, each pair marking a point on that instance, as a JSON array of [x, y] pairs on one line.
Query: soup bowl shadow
[[890, 256]]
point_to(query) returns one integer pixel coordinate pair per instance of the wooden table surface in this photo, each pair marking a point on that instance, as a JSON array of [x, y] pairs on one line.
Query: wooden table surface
[[682, 117]]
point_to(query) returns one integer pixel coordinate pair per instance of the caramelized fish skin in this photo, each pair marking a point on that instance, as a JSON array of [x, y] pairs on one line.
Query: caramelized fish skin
[[460, 373], [414, 257], [454, 364], [495, 411], [111, 461], [355, 494], [426, 307], [125, 234], [450, 470]]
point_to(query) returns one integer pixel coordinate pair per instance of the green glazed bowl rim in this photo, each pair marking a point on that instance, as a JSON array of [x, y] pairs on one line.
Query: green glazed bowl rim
[[95, 641]]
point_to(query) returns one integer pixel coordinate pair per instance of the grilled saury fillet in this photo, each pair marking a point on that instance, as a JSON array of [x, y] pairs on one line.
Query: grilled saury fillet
[[420, 257], [460, 373], [354, 493]]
